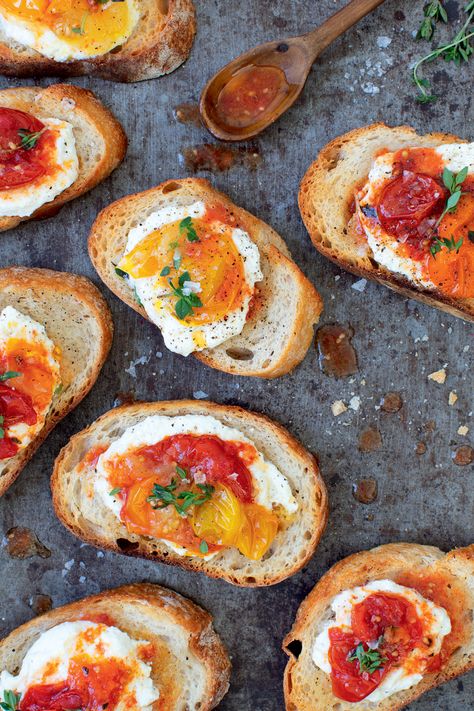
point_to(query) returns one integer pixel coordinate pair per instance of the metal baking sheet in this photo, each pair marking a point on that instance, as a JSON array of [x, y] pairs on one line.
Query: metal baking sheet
[[422, 497]]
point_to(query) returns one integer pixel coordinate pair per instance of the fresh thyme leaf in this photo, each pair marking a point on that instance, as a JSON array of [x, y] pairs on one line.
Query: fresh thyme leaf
[[2, 431], [29, 139], [115, 491], [165, 271], [369, 661], [10, 701], [119, 272], [203, 547], [81, 29], [182, 473], [470, 236], [458, 50], [187, 226], [137, 298], [163, 496], [434, 12], [186, 302], [453, 183], [9, 374]]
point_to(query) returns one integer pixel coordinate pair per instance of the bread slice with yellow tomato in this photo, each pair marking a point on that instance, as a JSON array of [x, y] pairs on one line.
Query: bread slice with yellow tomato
[[209, 487], [390, 205], [127, 41], [217, 281]]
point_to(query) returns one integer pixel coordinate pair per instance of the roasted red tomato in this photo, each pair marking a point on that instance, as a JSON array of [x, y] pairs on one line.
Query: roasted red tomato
[[389, 619], [15, 407], [407, 200], [21, 158], [52, 696]]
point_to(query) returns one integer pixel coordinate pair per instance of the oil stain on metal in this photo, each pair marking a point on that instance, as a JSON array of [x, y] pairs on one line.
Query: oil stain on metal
[[217, 158], [337, 355], [22, 543], [365, 491]]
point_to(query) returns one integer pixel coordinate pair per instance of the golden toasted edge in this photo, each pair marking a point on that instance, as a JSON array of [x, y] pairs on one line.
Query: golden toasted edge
[[103, 121], [83, 290], [397, 283], [204, 642], [357, 569], [162, 51], [169, 406], [310, 302]]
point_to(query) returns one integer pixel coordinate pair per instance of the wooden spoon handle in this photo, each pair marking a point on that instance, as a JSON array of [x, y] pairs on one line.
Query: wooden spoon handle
[[337, 24]]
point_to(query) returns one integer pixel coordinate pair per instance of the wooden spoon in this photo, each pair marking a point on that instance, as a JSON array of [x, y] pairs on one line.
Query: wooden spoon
[[252, 91]]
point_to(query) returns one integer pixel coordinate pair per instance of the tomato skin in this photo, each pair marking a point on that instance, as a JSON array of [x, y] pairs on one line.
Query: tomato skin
[[17, 165], [407, 200], [15, 407], [347, 682], [52, 696]]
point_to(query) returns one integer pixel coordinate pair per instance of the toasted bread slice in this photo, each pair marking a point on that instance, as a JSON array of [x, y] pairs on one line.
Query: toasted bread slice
[[308, 688], [160, 42], [101, 143], [327, 191], [91, 521], [190, 666], [77, 319], [279, 329]]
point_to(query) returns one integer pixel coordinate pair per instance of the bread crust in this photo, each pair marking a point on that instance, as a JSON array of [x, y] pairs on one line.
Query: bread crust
[[107, 242], [324, 196], [385, 562], [82, 109], [31, 289], [156, 603], [270, 438], [161, 41]]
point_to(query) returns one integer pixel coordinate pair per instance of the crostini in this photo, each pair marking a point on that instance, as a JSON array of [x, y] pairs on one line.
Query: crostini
[[208, 487], [55, 334], [55, 145], [140, 647], [380, 628], [396, 207], [125, 41], [217, 281]]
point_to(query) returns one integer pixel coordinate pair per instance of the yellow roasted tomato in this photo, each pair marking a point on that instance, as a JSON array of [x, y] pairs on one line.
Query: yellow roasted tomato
[[219, 520], [258, 532]]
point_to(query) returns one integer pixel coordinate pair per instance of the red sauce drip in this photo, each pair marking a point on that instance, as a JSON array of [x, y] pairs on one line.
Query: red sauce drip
[[250, 93], [15, 408], [18, 165], [380, 614]]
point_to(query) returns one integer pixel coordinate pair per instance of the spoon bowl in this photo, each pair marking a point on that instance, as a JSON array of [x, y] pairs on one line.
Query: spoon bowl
[[256, 88]]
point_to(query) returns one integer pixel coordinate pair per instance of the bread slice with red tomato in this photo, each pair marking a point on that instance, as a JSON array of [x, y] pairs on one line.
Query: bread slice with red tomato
[[78, 321], [190, 667], [160, 41], [100, 140], [447, 579], [286, 306], [326, 201], [81, 510]]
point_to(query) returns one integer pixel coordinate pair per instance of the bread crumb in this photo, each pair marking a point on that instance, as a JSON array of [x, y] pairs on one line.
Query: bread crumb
[[338, 408], [359, 285], [439, 376], [452, 398], [354, 403], [463, 430]]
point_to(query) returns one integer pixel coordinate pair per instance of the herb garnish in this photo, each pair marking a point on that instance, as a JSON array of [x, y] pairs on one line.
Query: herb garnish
[[2, 430], [453, 183], [369, 661], [434, 12], [203, 547], [29, 139], [187, 226], [10, 701], [457, 51], [186, 302], [119, 272], [450, 245], [163, 496], [9, 374], [115, 491], [81, 29]]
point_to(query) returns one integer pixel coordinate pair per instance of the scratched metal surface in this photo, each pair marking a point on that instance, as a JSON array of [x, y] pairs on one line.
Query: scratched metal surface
[[426, 498]]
